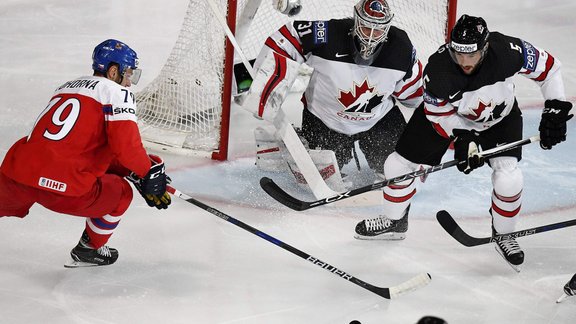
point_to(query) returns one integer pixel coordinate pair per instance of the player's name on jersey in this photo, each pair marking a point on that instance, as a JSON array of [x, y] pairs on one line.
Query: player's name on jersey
[[89, 84]]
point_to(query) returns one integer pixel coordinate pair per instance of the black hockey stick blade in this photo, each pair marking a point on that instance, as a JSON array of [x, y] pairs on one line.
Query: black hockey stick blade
[[449, 224], [416, 282], [274, 191]]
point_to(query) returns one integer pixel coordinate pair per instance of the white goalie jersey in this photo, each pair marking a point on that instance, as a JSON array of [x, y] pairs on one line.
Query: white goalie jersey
[[349, 98]]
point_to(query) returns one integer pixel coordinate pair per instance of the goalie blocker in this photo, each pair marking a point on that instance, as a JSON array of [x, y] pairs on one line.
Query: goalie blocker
[[274, 78]]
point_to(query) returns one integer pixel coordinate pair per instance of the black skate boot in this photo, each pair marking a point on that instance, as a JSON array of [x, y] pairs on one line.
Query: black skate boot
[[85, 256], [383, 228], [569, 289], [509, 249]]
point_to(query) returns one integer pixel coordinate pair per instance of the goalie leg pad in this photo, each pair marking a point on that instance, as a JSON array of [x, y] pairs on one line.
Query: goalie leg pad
[[325, 161], [270, 150]]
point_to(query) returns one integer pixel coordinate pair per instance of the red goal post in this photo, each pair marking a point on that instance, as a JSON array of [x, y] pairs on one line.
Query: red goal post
[[186, 108]]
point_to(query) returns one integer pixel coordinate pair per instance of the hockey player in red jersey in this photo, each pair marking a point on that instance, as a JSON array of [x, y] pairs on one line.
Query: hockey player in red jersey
[[81, 147], [469, 97], [362, 67]]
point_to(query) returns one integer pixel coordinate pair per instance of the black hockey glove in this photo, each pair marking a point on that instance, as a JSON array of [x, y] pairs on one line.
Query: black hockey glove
[[553, 123], [153, 186], [466, 150]]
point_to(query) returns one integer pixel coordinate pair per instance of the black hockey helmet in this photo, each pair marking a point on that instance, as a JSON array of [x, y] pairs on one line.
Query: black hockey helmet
[[470, 34]]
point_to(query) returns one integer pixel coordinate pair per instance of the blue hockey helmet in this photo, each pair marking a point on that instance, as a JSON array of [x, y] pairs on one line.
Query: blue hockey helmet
[[114, 51]]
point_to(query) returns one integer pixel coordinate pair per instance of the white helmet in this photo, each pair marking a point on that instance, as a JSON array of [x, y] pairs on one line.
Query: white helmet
[[372, 20]]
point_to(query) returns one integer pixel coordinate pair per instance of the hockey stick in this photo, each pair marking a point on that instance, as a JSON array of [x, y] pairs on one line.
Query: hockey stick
[[297, 150], [286, 199], [416, 282], [220, 17], [450, 225]]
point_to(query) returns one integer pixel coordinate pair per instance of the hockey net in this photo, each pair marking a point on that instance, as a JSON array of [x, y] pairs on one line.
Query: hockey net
[[186, 107]]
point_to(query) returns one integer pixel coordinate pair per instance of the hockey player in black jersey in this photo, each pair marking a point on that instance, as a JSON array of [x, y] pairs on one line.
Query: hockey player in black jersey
[[362, 67], [469, 98], [569, 289]]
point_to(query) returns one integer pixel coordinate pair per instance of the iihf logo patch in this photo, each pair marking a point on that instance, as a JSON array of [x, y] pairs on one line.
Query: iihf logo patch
[[52, 184]]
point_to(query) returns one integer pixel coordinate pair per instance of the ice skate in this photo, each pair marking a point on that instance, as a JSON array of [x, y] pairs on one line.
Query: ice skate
[[85, 256], [382, 228], [509, 249], [569, 289]]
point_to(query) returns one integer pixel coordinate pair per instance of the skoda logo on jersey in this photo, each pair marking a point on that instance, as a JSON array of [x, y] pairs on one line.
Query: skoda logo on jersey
[[124, 110], [359, 102], [320, 32]]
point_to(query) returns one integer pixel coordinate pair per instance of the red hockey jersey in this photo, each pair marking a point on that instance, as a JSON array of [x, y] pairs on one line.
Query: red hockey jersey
[[88, 125]]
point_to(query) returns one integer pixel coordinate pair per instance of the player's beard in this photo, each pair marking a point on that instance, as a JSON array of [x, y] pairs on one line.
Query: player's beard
[[468, 69]]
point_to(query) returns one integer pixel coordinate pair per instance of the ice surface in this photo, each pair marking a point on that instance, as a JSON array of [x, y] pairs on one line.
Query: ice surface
[[185, 265]]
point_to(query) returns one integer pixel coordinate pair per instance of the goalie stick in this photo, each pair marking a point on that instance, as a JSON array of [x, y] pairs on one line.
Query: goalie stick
[[450, 226], [416, 282], [272, 189], [297, 150]]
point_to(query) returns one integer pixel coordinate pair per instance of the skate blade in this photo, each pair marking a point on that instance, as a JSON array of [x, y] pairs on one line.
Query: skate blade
[[382, 237], [562, 298], [78, 264], [513, 266]]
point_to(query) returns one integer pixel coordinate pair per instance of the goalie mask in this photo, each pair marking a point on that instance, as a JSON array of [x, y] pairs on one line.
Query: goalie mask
[[113, 51], [372, 20]]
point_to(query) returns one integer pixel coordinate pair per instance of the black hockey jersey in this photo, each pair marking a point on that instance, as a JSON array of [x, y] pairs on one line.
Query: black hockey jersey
[[478, 101], [350, 98]]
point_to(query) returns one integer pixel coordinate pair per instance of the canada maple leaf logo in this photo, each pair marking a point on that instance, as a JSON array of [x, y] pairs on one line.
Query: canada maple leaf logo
[[485, 112], [361, 99]]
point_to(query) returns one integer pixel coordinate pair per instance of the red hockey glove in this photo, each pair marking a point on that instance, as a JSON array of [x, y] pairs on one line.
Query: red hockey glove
[[466, 150], [553, 123], [153, 186]]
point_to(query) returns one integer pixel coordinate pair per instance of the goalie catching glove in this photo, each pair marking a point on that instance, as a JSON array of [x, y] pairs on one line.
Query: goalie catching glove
[[466, 150], [153, 186], [553, 123], [288, 7]]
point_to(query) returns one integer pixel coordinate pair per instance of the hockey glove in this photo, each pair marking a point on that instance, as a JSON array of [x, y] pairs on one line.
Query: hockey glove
[[288, 7], [153, 186], [553, 123], [466, 150]]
